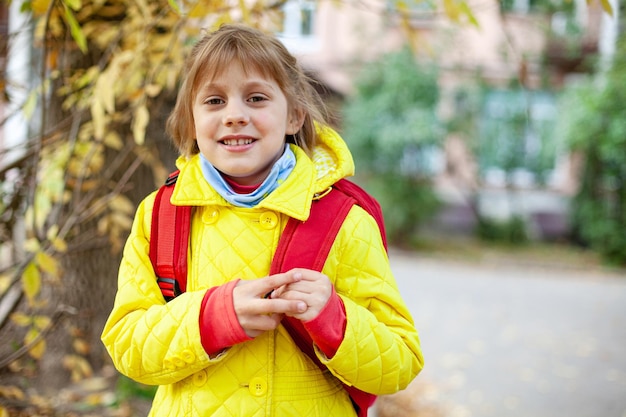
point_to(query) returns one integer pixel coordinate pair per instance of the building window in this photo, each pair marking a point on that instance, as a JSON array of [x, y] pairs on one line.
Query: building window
[[298, 30], [517, 144]]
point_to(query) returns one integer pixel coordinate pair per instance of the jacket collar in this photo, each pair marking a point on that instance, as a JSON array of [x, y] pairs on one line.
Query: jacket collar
[[331, 161]]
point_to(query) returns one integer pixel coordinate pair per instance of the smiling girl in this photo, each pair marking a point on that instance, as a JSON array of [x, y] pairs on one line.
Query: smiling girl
[[255, 152]]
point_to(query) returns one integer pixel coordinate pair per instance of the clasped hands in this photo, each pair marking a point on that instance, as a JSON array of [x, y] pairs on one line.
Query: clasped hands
[[260, 304]]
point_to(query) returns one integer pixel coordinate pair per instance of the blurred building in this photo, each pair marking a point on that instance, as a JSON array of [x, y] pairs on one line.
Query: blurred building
[[520, 54], [516, 59]]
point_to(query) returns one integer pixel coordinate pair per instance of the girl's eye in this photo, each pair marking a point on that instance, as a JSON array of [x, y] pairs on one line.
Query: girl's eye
[[213, 101], [257, 99]]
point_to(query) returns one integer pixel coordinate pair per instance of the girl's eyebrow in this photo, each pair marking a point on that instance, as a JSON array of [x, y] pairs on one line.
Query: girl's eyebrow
[[255, 83]]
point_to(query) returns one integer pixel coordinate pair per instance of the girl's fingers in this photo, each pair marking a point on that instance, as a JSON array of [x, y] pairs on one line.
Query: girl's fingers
[[263, 287]]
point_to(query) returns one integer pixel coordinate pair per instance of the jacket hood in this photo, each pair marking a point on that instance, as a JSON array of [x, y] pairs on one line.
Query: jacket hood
[[331, 160]]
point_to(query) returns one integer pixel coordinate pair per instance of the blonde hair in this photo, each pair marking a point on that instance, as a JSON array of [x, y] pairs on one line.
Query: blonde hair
[[254, 50]]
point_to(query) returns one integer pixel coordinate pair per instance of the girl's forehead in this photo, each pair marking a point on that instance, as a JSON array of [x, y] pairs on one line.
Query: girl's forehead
[[211, 73]]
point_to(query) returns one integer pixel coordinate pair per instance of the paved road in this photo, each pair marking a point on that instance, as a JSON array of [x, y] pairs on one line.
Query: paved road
[[514, 340]]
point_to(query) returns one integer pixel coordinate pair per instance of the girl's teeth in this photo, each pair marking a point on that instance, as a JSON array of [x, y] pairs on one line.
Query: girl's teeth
[[237, 142]]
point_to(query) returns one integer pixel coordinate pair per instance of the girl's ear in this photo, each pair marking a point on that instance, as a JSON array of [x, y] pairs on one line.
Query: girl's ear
[[295, 122]]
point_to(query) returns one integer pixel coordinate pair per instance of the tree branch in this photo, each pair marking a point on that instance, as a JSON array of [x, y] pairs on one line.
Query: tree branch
[[61, 311]]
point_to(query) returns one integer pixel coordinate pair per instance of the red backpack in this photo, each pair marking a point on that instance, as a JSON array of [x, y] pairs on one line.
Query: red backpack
[[169, 243]]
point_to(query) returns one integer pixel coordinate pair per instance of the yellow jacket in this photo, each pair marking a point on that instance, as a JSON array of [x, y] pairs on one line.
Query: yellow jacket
[[158, 343]]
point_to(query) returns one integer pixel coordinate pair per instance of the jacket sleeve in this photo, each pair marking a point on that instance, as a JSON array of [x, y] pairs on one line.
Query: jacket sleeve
[[149, 340], [380, 352]]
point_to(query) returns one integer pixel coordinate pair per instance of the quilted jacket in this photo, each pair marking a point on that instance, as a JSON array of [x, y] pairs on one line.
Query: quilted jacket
[[159, 343]]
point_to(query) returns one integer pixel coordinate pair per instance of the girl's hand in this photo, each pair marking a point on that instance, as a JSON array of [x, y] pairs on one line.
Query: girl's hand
[[308, 286], [258, 313]]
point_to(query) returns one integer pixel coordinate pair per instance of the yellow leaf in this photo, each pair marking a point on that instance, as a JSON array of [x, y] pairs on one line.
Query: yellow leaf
[[103, 225], [451, 9], [59, 245], [41, 322], [113, 141], [39, 348], [140, 122], [5, 282], [85, 368], [98, 117], [74, 4], [122, 204], [244, 11], [3, 412], [41, 402], [69, 361], [81, 346], [143, 7], [30, 104], [75, 30], [52, 231], [42, 208], [608, 8], [104, 91], [78, 367], [21, 319], [31, 282], [122, 220], [11, 392], [47, 264], [467, 11], [40, 6], [200, 9], [153, 90], [174, 5], [32, 245], [95, 384]]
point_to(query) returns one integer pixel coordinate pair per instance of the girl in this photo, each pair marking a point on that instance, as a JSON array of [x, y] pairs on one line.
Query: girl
[[255, 150]]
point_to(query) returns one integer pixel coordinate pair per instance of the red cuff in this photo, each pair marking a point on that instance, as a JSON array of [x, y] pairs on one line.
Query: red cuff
[[329, 327], [219, 327]]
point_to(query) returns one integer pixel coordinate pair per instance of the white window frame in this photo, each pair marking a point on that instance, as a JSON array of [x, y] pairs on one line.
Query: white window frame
[[292, 34]]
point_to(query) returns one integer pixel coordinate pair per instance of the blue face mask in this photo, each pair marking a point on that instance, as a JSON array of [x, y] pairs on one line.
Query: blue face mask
[[279, 173]]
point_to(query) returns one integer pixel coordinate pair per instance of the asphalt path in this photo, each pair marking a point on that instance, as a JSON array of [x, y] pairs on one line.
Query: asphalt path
[[509, 339]]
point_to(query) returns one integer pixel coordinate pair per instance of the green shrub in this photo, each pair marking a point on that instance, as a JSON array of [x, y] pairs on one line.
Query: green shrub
[[511, 231], [392, 129], [406, 204], [594, 124]]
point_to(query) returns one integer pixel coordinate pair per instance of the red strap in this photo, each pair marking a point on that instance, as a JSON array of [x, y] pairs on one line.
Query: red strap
[[169, 241], [306, 245], [366, 201]]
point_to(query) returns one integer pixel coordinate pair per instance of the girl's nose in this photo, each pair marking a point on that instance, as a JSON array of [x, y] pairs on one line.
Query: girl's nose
[[235, 115]]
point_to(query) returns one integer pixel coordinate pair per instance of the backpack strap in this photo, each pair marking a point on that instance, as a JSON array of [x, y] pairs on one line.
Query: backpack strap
[[306, 245], [169, 241], [366, 201]]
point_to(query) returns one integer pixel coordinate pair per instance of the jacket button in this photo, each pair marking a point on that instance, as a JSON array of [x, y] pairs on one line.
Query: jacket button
[[210, 215], [169, 365], [178, 362], [257, 387], [268, 220], [199, 378], [188, 356]]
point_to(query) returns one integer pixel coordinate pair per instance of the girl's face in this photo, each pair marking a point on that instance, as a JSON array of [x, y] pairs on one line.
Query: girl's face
[[241, 119]]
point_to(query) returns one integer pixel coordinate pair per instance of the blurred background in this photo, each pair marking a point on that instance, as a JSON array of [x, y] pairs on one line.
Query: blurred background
[[493, 133]]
